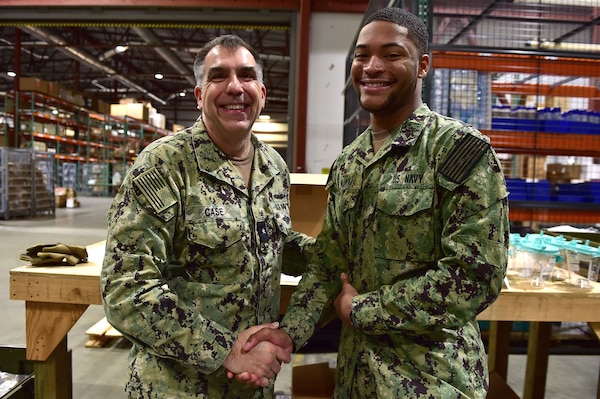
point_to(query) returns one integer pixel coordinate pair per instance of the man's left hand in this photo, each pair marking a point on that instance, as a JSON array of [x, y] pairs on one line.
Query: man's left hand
[[343, 302]]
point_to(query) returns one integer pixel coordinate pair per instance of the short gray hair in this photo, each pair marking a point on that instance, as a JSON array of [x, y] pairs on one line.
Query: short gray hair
[[231, 42]]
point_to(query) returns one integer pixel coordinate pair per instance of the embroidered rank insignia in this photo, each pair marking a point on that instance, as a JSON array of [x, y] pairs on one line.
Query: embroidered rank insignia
[[154, 187], [467, 152]]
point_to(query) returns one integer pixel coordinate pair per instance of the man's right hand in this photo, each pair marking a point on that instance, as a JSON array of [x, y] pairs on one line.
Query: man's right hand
[[273, 335], [262, 361], [270, 336]]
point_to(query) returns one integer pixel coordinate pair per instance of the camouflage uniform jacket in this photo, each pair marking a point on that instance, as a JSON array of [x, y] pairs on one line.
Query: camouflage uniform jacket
[[193, 257], [422, 229]]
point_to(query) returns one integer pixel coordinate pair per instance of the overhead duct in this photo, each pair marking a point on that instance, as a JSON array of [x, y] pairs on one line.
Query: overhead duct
[[570, 3], [87, 58], [153, 40], [545, 44]]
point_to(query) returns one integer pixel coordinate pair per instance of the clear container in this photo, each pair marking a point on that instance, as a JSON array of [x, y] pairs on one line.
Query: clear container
[[584, 263], [540, 261]]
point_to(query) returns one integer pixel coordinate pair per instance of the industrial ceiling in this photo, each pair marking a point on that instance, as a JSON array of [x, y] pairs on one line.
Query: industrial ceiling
[[75, 46]]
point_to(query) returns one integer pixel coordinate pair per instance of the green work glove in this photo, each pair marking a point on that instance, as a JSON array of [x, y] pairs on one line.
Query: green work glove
[[48, 259], [74, 250], [54, 255]]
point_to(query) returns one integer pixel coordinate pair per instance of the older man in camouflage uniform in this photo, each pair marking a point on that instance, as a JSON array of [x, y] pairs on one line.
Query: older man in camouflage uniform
[[417, 228], [196, 241]]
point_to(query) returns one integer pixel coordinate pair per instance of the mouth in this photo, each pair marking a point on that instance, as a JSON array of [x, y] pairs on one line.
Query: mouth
[[234, 107], [375, 85]]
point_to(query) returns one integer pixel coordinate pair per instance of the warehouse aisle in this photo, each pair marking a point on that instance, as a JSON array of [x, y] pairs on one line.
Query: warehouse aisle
[[99, 373]]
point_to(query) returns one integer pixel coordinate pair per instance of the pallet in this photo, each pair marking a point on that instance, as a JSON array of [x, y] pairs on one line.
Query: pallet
[[100, 334]]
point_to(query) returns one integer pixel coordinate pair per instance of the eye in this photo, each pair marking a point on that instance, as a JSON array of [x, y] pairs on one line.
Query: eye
[[216, 77], [248, 77], [360, 56]]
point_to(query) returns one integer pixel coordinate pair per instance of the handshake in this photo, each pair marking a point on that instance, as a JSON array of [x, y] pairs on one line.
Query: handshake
[[257, 354]]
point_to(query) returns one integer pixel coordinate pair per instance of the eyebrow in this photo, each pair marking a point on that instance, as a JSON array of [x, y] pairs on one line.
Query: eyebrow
[[243, 69], [387, 45]]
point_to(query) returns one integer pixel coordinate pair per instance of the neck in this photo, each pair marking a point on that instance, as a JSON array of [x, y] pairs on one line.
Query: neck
[[386, 121]]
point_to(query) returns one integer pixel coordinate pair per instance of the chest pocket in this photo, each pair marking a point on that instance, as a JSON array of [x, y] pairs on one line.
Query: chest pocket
[[217, 250], [404, 227]]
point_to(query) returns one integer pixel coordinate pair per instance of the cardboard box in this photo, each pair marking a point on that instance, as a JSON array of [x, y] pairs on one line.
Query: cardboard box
[[308, 202], [317, 381], [530, 167], [177, 128], [158, 120], [499, 389], [54, 89], [313, 381], [136, 111], [33, 84], [560, 173]]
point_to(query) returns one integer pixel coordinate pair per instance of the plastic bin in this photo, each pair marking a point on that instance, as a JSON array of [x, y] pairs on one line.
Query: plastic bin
[[17, 380]]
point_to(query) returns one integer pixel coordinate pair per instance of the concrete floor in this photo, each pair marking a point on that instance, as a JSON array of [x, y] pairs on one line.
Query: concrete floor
[[99, 373]]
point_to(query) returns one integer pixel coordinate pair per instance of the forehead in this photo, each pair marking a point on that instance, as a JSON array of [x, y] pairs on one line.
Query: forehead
[[224, 57], [378, 32]]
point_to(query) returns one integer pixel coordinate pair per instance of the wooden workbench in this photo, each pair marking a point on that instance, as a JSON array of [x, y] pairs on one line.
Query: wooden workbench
[[55, 298]]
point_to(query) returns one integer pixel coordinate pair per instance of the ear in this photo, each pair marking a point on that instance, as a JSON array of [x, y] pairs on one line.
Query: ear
[[198, 95], [424, 65], [263, 91]]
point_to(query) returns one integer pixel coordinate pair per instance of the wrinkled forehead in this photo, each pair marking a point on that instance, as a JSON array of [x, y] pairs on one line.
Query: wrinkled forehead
[[231, 58]]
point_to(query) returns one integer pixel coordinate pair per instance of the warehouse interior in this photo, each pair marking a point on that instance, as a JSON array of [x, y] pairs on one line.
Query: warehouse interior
[[524, 72]]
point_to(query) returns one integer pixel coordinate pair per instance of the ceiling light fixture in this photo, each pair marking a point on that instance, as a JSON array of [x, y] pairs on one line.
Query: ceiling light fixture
[[12, 74], [158, 76]]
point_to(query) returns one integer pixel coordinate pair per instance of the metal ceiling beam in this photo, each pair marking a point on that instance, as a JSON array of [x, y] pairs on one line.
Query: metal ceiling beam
[[84, 56], [355, 6], [168, 55]]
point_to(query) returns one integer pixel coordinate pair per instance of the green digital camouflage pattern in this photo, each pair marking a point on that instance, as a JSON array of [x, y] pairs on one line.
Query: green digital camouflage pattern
[[193, 257], [425, 253]]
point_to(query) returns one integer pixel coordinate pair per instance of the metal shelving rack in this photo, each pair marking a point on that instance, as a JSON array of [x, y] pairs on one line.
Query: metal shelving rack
[[26, 183], [525, 55]]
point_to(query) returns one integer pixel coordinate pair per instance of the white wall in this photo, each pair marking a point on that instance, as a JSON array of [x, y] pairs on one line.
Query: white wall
[[331, 35]]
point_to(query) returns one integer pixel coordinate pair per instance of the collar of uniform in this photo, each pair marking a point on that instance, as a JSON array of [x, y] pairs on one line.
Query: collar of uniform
[[213, 161], [409, 131]]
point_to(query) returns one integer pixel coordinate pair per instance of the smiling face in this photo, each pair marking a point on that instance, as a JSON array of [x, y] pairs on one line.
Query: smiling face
[[231, 96], [387, 73]]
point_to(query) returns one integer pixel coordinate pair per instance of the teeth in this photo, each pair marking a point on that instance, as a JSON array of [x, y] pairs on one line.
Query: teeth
[[375, 84], [235, 106]]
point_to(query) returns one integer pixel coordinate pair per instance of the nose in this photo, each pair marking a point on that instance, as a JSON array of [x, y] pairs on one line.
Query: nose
[[374, 65], [234, 86]]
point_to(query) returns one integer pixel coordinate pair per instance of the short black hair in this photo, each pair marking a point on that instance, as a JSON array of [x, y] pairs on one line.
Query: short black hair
[[417, 31], [231, 42]]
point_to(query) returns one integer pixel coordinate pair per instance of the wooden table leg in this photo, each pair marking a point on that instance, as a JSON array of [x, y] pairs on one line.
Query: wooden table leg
[[538, 349], [46, 327], [53, 377], [595, 326], [499, 347]]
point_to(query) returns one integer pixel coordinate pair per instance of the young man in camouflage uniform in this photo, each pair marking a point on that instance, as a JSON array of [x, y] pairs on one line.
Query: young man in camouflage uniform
[[196, 242], [417, 228]]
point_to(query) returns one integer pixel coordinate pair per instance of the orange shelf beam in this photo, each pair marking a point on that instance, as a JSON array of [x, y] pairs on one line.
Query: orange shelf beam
[[534, 64], [546, 90], [544, 143], [573, 216]]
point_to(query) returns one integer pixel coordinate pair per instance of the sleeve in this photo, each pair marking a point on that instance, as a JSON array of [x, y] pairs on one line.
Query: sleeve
[[311, 304], [145, 244], [296, 253], [471, 209]]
